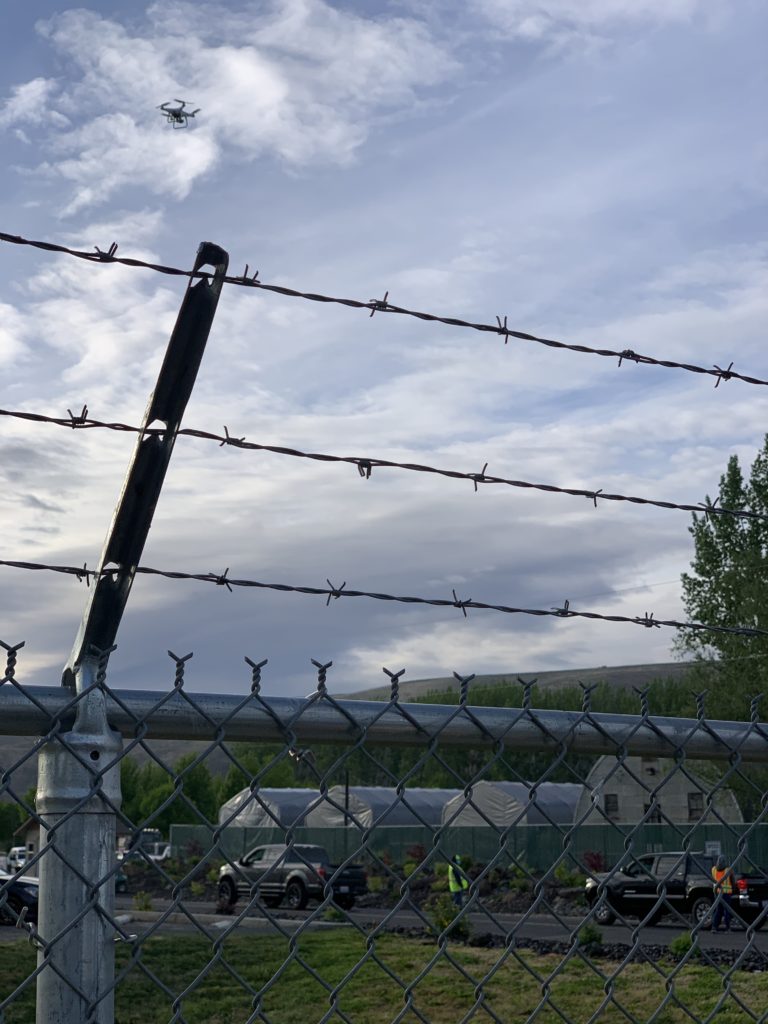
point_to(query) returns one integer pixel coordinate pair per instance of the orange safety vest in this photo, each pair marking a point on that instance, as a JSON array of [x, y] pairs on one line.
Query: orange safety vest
[[723, 881]]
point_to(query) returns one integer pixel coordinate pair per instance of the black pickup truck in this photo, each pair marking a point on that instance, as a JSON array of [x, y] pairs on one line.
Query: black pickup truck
[[292, 875], [656, 884]]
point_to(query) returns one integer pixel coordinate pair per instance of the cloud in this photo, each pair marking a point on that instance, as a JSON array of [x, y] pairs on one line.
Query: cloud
[[30, 103], [301, 82], [564, 21]]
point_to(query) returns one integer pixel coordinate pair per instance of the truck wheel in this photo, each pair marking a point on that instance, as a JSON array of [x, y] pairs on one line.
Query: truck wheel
[[296, 895], [701, 912], [603, 913], [227, 892], [344, 902]]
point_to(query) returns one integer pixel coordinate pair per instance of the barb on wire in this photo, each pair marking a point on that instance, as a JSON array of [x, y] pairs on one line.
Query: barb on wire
[[335, 592], [379, 304], [366, 464], [384, 306], [646, 620]]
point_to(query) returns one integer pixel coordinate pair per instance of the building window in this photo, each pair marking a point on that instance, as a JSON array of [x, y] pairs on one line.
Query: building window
[[650, 765], [654, 818], [612, 805], [695, 805]]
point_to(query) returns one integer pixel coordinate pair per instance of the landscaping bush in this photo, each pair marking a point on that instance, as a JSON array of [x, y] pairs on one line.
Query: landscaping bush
[[682, 945], [590, 938], [594, 861], [442, 911], [142, 900]]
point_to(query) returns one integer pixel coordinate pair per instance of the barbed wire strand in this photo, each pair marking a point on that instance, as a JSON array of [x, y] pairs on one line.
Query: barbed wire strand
[[366, 464], [647, 620], [384, 306]]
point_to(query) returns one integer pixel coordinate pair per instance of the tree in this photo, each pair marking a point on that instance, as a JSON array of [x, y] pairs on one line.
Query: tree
[[729, 587]]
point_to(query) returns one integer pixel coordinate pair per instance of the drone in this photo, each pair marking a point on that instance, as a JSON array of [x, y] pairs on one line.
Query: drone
[[177, 116]]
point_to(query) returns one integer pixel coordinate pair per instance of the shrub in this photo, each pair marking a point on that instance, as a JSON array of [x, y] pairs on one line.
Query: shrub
[[196, 889], [334, 914], [590, 938], [416, 852], [594, 860], [565, 876], [443, 911], [409, 867], [520, 885], [142, 900], [376, 883], [519, 869], [682, 945]]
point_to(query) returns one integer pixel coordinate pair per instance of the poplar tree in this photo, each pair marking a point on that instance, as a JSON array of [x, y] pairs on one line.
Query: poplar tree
[[728, 586]]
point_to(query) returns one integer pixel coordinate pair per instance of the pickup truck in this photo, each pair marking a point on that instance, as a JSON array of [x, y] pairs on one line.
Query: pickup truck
[[656, 884], [290, 874]]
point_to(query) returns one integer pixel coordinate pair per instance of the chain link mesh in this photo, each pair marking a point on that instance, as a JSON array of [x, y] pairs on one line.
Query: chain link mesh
[[285, 860]]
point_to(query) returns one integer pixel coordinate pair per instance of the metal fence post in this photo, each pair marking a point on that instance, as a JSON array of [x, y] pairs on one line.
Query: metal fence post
[[76, 801]]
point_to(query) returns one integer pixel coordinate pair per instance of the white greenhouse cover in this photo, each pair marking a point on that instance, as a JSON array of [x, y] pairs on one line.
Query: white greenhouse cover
[[287, 807], [380, 805], [501, 803]]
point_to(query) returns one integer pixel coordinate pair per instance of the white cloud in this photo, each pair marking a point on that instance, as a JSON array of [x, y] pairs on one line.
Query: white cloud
[[563, 21], [302, 82], [30, 103]]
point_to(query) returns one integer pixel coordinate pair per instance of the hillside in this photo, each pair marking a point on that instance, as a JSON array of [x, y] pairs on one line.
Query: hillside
[[622, 677]]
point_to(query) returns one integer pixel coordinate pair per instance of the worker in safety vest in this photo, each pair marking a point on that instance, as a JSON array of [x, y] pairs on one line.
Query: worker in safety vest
[[458, 883], [723, 882]]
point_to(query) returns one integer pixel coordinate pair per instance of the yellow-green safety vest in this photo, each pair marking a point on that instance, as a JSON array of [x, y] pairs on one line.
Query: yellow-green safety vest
[[457, 880]]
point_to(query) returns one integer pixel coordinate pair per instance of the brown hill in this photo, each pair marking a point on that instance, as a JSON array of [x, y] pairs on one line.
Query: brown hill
[[623, 677]]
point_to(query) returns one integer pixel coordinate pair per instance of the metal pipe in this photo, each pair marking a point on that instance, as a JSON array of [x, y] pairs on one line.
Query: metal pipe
[[76, 802], [321, 722]]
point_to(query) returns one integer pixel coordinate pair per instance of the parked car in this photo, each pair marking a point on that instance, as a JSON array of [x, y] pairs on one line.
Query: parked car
[[290, 874], [17, 858], [20, 893], [24, 892], [686, 882]]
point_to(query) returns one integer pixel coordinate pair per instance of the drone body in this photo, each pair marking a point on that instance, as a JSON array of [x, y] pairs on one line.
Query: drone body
[[177, 116]]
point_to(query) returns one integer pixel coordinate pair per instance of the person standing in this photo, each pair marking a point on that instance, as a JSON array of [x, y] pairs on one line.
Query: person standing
[[722, 885], [458, 883]]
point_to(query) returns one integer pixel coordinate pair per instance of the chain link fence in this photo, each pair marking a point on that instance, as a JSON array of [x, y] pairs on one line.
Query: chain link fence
[[206, 857]]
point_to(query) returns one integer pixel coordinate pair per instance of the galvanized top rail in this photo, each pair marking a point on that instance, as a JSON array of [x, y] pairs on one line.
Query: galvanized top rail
[[321, 718]]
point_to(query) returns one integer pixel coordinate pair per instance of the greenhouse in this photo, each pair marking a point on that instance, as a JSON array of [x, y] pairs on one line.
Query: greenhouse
[[365, 806], [514, 803], [286, 807]]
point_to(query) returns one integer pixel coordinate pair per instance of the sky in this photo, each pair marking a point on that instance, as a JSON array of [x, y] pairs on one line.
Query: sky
[[594, 170]]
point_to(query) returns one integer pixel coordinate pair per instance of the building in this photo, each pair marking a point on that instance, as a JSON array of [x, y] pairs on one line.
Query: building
[[267, 808], [622, 793], [366, 806], [502, 804]]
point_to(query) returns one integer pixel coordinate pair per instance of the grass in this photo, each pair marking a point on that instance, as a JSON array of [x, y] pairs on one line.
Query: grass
[[514, 987]]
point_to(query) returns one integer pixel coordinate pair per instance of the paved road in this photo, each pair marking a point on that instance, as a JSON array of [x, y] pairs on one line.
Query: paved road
[[543, 927]]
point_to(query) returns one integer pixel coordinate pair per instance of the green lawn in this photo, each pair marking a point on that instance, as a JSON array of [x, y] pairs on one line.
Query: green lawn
[[514, 987]]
